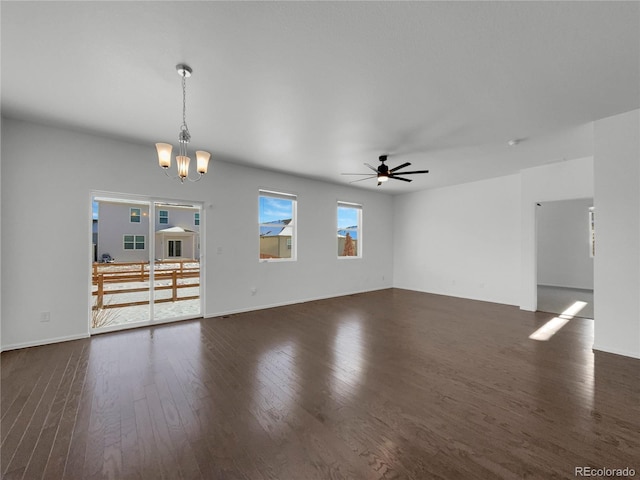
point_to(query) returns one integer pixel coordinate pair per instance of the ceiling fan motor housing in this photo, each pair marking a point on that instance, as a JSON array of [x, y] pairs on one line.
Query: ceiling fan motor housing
[[382, 168]]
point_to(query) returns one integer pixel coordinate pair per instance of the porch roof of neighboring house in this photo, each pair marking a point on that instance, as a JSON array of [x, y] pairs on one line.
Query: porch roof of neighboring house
[[176, 231]]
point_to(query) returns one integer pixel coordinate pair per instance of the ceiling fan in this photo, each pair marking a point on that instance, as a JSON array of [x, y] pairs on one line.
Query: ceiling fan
[[383, 173]]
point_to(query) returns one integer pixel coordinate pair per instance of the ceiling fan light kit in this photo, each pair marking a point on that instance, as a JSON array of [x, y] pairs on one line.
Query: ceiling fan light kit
[[383, 174], [184, 137]]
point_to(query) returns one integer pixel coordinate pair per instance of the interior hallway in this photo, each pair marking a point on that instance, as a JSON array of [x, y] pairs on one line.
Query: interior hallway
[[558, 299]]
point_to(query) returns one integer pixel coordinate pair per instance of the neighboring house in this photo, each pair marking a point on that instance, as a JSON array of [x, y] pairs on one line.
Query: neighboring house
[[177, 232], [276, 242], [123, 231], [176, 242]]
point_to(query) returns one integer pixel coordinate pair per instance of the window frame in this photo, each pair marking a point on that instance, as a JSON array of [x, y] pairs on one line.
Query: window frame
[[138, 217], [162, 217], [134, 242], [358, 230], [292, 244], [196, 219]]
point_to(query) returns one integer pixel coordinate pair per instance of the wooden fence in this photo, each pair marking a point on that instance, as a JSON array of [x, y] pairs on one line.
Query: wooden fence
[[136, 272]]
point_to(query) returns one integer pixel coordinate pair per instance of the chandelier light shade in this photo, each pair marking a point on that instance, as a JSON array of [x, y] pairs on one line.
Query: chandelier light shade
[[202, 161], [164, 154], [184, 137]]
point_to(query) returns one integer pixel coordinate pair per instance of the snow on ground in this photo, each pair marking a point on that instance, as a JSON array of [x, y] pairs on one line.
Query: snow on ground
[[140, 313], [162, 311]]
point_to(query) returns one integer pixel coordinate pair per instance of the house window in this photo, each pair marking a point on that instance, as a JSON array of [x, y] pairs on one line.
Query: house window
[[134, 215], [349, 230], [277, 225], [133, 242], [163, 217], [196, 218]]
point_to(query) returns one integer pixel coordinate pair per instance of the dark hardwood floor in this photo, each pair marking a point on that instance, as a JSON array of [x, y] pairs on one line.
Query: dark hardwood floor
[[391, 384]]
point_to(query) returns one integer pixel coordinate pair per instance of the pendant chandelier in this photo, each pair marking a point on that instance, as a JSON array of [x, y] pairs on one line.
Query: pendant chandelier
[[184, 137]]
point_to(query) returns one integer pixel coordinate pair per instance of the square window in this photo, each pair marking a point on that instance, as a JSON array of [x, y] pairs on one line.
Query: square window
[[128, 243], [163, 217], [133, 242]]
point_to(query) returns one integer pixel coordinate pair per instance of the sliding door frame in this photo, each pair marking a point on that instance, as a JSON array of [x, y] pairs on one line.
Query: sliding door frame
[[151, 244]]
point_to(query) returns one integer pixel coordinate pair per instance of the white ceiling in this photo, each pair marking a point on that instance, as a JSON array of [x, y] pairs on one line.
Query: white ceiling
[[319, 88]]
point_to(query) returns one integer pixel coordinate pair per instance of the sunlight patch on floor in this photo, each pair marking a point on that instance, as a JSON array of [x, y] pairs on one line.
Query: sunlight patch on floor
[[550, 328], [573, 310]]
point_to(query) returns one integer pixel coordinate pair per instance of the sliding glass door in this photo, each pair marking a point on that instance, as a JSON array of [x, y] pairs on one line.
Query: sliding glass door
[[146, 261]]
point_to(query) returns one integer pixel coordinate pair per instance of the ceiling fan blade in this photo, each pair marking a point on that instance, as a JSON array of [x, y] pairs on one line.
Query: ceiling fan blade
[[366, 178], [372, 168], [399, 167], [400, 178], [417, 171]]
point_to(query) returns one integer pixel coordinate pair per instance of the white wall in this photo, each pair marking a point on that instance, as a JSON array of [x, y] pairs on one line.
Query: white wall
[[564, 258], [617, 261], [477, 240], [571, 179], [462, 241], [47, 178]]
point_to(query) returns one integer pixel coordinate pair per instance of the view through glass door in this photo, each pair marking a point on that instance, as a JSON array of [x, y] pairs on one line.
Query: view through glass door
[[146, 262], [177, 261]]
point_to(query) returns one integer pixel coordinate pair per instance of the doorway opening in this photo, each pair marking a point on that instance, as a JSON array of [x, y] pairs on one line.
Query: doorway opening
[[565, 251], [146, 265]]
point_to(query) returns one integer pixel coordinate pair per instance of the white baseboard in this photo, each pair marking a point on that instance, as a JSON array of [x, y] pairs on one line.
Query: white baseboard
[[565, 286], [445, 293], [616, 351], [47, 341], [291, 302]]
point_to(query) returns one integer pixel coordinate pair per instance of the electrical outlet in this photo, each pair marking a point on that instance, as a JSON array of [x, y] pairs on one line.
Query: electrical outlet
[[45, 317]]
